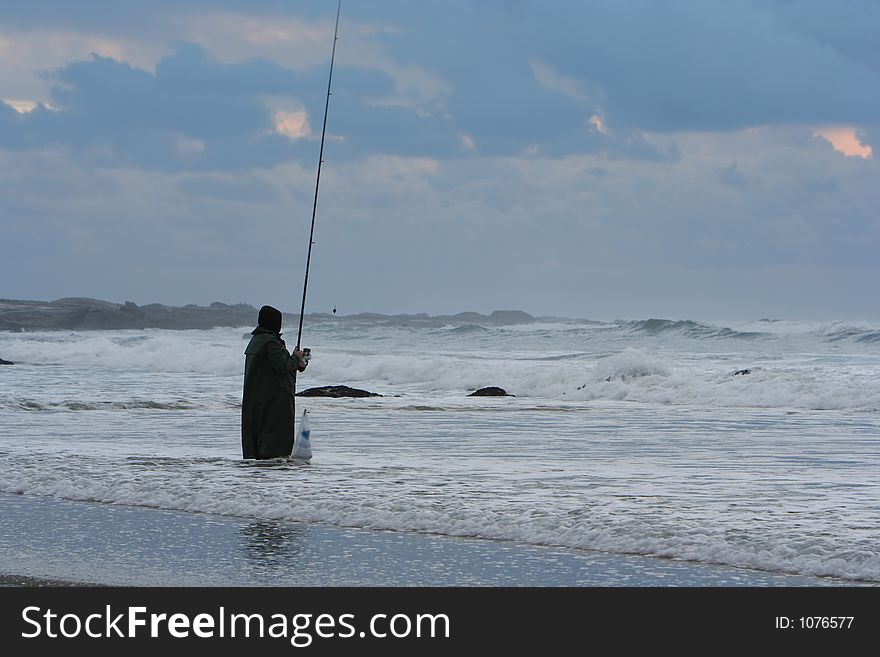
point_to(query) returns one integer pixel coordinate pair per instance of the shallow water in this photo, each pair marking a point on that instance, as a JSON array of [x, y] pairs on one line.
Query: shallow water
[[628, 439]]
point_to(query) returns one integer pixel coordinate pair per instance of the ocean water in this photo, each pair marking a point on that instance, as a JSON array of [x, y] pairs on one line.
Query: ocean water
[[625, 438]]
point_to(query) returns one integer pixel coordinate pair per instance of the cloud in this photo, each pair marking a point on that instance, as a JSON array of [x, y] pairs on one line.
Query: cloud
[[21, 106], [849, 28], [235, 37], [598, 123], [519, 81], [241, 62], [710, 65], [305, 44], [294, 125], [555, 86], [189, 149], [731, 176], [192, 111], [551, 79], [467, 142], [466, 231], [844, 140], [27, 55]]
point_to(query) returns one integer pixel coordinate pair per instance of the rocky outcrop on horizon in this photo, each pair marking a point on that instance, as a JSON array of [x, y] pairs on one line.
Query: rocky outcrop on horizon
[[81, 314], [495, 318], [86, 314]]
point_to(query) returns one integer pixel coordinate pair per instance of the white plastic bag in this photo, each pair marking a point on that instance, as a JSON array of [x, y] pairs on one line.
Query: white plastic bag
[[302, 446]]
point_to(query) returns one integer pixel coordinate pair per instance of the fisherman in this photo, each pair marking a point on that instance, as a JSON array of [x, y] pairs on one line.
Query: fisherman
[[267, 406]]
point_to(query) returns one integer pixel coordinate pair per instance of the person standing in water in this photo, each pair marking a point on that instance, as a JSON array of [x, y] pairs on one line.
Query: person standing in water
[[267, 405]]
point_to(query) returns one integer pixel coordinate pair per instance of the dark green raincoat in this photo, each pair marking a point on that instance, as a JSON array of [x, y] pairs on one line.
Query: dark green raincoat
[[267, 409]]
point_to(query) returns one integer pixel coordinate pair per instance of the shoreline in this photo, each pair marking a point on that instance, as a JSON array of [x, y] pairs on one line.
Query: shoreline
[[47, 542]]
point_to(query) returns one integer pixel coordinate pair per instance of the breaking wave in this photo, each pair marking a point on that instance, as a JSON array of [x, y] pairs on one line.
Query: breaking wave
[[687, 328], [853, 334]]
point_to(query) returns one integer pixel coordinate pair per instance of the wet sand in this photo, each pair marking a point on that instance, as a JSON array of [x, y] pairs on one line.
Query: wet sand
[[22, 580], [51, 542]]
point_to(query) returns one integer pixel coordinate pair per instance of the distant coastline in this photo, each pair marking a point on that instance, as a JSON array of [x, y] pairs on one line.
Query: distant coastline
[[83, 314]]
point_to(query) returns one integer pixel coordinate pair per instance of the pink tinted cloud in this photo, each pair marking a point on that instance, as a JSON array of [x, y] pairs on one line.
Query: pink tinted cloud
[[844, 140]]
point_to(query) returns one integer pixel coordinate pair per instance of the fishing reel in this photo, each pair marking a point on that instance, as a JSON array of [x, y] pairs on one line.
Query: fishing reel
[[306, 356]]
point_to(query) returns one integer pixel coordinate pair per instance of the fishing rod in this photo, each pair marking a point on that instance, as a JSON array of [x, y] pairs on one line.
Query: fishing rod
[[318, 177]]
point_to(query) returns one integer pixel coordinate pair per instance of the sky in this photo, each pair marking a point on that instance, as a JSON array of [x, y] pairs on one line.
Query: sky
[[698, 159]]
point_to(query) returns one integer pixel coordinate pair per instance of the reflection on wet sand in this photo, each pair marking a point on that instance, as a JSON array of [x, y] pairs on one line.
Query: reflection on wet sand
[[271, 546]]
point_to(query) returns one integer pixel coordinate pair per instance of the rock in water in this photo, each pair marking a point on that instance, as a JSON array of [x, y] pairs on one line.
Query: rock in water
[[336, 391], [743, 372], [6, 362], [491, 391]]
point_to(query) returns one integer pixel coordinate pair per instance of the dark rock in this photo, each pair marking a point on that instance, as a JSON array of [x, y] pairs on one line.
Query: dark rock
[[491, 391], [336, 391], [6, 362], [742, 372]]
